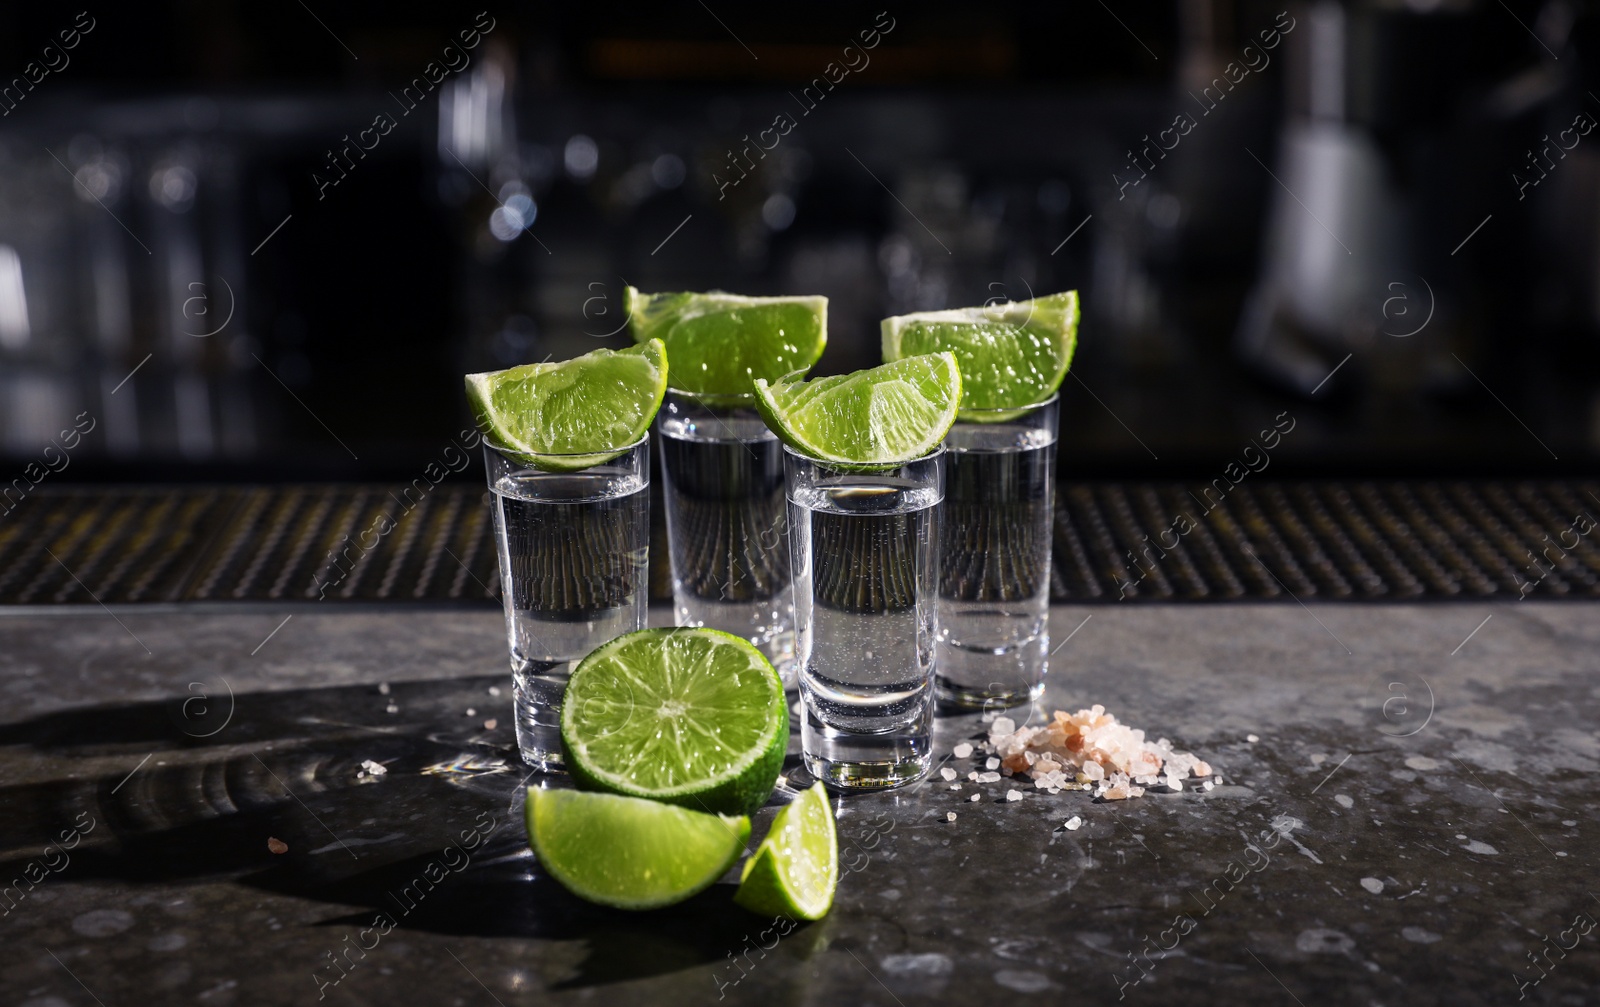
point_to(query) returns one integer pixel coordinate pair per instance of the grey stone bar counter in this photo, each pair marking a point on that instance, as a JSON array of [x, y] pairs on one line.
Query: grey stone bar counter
[[1408, 815]]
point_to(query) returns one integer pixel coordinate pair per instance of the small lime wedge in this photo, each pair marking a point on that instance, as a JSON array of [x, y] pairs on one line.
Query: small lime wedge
[[630, 853], [880, 416], [796, 868], [720, 343], [1012, 355], [689, 716], [572, 414]]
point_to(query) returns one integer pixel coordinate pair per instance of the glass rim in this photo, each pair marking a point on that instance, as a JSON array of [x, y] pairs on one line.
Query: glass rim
[[938, 449], [715, 398], [510, 454], [1032, 407]]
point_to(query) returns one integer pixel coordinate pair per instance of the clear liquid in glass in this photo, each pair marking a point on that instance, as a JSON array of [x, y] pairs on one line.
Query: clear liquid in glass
[[865, 623], [728, 532], [573, 568], [994, 575]]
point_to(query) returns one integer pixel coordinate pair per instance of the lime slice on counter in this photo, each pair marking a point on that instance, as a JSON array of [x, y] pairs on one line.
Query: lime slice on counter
[[689, 716], [1012, 355], [720, 343], [573, 414], [796, 868], [880, 416], [629, 853]]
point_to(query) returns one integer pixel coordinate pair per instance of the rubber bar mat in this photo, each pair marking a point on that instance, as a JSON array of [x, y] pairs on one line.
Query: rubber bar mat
[[1112, 541]]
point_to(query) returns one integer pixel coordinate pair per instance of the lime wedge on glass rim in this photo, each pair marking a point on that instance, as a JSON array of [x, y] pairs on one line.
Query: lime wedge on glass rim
[[1012, 355], [688, 716], [720, 343], [575, 413], [881, 416], [796, 868], [630, 853]]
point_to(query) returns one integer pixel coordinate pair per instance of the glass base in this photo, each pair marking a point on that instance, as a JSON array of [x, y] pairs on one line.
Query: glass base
[[540, 757], [855, 762], [768, 628], [536, 706], [993, 697], [984, 678]]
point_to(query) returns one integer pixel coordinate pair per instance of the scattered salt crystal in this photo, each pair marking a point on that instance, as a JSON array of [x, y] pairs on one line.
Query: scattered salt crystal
[[976, 797], [370, 768], [947, 773], [494, 690], [973, 776], [391, 708], [383, 688], [1251, 738], [1072, 824], [490, 724], [950, 816], [962, 750], [955, 786], [471, 712], [1087, 750], [1013, 795]]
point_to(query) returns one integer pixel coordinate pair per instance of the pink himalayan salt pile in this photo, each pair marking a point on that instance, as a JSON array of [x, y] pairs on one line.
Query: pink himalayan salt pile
[[1089, 750]]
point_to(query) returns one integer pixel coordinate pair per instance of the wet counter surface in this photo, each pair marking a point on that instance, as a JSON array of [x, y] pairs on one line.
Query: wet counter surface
[[1413, 817]]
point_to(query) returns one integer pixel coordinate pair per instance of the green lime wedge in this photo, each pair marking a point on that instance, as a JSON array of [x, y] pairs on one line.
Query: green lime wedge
[[796, 868], [880, 416], [573, 414], [1012, 355], [629, 853], [688, 716], [720, 343]]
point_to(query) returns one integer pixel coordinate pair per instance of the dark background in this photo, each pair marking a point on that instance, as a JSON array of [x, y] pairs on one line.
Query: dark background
[[1350, 208]]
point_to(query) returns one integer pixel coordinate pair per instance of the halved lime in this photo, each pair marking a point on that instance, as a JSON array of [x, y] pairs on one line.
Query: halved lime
[[796, 868], [720, 343], [688, 716], [1012, 355], [575, 413], [629, 853], [880, 416]]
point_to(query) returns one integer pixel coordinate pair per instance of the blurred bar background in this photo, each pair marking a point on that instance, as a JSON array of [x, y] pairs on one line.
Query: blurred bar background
[[247, 244]]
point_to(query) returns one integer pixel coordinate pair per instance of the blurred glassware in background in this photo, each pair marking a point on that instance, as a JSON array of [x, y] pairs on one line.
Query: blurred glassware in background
[[120, 280], [174, 269]]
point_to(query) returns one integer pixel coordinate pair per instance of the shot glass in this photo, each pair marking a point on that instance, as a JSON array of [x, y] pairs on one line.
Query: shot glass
[[726, 527], [994, 560], [574, 550], [865, 551]]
